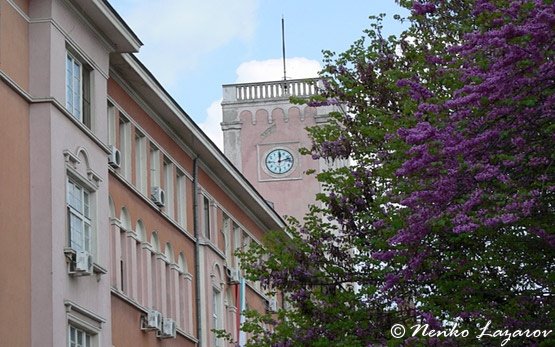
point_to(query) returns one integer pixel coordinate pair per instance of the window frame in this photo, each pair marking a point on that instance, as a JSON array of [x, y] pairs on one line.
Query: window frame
[[85, 217], [169, 187], [140, 162], [207, 223], [87, 339], [217, 314], [111, 120], [181, 191], [125, 145], [154, 165], [78, 88]]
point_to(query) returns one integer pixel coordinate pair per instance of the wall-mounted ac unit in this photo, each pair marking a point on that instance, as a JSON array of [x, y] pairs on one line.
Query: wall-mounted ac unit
[[169, 329], [158, 196], [271, 305], [82, 264], [114, 159], [233, 275], [152, 321]]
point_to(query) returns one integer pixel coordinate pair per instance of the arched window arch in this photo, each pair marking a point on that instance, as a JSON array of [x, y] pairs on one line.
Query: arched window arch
[[140, 230], [124, 219], [168, 252], [154, 242], [217, 275], [182, 264], [112, 207]]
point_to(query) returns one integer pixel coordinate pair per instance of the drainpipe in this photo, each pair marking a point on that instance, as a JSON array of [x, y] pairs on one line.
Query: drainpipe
[[197, 249]]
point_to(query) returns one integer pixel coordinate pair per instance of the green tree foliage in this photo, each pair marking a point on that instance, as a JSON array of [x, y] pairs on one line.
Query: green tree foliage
[[445, 215]]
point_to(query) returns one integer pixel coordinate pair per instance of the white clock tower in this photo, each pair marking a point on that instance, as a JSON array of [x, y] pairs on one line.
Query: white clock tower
[[263, 133]]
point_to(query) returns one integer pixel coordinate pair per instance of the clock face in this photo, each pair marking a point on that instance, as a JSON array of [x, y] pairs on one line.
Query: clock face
[[279, 161]]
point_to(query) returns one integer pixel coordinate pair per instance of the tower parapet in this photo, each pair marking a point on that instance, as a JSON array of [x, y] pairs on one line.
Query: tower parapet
[[263, 134], [269, 91]]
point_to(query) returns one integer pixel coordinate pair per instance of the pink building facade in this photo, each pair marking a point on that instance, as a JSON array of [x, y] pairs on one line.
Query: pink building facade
[[121, 216], [263, 132]]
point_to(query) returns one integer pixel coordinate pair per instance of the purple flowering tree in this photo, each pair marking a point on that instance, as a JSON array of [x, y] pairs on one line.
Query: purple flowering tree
[[445, 216]]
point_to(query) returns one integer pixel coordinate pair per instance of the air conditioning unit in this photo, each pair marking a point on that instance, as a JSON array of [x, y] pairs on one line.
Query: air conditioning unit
[[158, 196], [114, 159], [152, 321], [233, 275], [83, 263], [271, 305], [169, 329]]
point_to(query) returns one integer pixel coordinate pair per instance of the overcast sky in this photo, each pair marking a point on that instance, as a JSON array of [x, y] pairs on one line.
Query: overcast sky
[[193, 47]]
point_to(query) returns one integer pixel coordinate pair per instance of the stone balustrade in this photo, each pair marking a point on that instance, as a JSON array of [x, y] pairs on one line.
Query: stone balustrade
[[262, 91]]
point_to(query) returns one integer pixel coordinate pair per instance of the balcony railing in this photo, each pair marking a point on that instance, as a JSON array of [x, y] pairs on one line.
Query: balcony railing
[[269, 90]]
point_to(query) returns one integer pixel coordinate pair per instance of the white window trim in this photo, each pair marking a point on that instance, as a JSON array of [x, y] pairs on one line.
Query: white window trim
[[140, 162], [217, 313], [70, 106], [88, 339], [84, 218], [111, 112], [181, 190], [91, 184], [207, 223], [81, 318], [169, 188], [154, 167], [125, 145]]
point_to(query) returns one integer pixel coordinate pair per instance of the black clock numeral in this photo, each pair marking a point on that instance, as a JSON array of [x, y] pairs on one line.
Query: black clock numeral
[[279, 161]]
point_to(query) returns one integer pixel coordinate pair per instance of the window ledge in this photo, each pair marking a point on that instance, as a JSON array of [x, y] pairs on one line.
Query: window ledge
[[99, 270], [70, 254], [144, 310]]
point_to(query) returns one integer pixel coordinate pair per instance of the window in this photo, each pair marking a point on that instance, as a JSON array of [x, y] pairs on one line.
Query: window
[[236, 243], [181, 198], [154, 166], [216, 314], [227, 225], [111, 112], [125, 146], [140, 162], [79, 217], [78, 90], [206, 205], [168, 178], [78, 337]]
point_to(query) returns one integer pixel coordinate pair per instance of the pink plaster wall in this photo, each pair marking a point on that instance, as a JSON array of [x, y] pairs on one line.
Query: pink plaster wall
[[293, 193]]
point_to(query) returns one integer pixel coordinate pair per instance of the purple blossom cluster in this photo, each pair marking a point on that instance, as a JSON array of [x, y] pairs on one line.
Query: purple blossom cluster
[[448, 214], [422, 8], [491, 142], [335, 149]]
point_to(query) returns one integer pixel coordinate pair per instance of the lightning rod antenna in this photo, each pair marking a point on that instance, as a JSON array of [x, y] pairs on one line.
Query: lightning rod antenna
[[283, 49]]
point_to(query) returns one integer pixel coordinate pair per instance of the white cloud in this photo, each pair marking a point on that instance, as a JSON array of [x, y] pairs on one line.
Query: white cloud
[[272, 69], [257, 71], [177, 34], [211, 124]]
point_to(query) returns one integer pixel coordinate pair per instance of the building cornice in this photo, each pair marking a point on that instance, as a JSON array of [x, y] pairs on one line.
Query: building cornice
[[213, 160]]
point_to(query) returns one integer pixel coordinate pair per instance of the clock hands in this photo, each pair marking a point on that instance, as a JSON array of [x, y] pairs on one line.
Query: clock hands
[[279, 161]]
